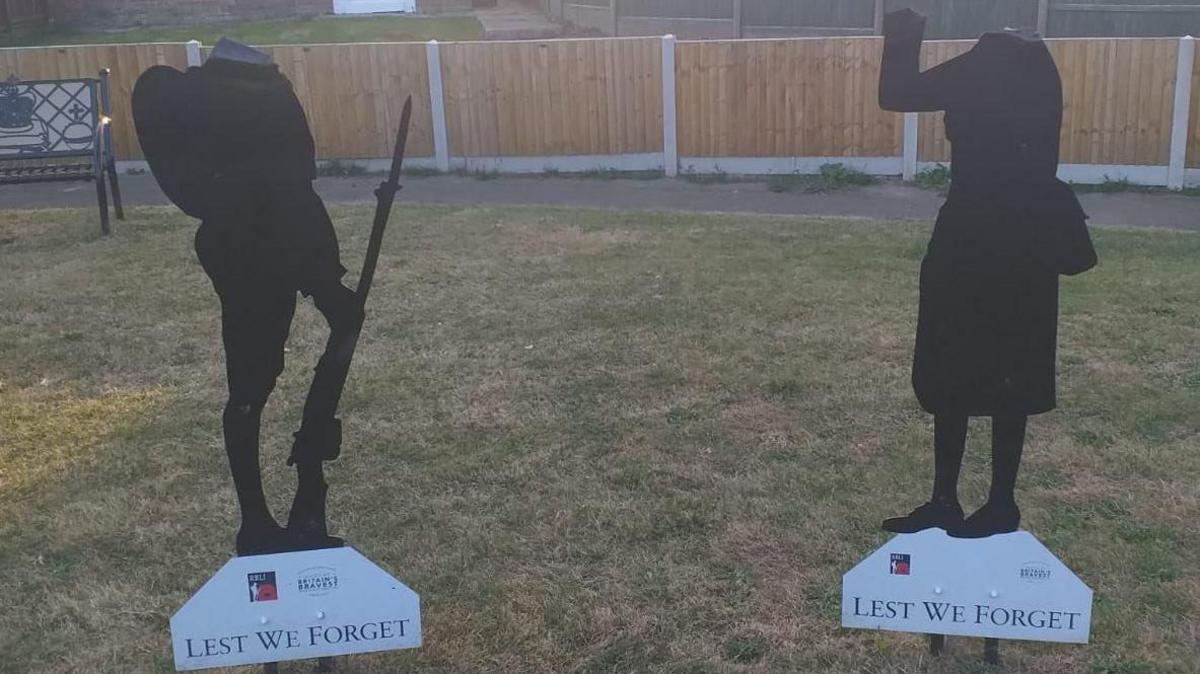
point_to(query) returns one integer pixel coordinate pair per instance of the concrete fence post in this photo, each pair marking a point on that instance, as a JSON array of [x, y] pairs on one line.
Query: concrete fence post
[[670, 134], [738, 32], [1181, 119], [877, 23], [195, 53], [909, 166], [437, 106], [1043, 17]]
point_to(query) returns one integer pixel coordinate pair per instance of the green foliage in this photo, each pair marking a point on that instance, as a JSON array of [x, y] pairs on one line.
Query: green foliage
[[337, 168], [836, 176], [935, 178], [830, 178]]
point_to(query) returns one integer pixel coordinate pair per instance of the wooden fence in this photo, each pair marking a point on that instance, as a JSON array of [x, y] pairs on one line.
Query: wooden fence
[[23, 15], [783, 98], [354, 95], [948, 19], [739, 106], [1117, 96], [125, 61], [532, 99]]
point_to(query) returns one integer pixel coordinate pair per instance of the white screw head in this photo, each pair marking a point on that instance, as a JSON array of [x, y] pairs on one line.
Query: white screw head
[[937, 589], [320, 615], [993, 594], [263, 620]]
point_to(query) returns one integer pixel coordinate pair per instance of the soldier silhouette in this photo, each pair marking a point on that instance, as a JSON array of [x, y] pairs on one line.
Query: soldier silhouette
[[988, 318], [229, 144]]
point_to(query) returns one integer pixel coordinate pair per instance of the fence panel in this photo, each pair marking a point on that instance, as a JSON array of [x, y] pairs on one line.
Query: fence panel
[[24, 14], [354, 93], [691, 9], [1118, 99], [1117, 95], [959, 19], [1156, 18], [555, 98], [1193, 154], [783, 98], [813, 13], [126, 62]]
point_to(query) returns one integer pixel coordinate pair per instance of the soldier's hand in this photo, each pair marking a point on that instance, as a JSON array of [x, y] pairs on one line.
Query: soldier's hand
[[904, 24]]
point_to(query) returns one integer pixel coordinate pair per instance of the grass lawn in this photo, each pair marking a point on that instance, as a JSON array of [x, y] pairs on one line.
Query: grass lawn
[[593, 442], [300, 31]]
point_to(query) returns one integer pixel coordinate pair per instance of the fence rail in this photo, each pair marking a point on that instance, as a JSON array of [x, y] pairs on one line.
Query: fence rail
[[1132, 106]]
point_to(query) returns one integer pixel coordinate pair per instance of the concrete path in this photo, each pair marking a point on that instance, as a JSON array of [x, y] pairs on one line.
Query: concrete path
[[885, 201]]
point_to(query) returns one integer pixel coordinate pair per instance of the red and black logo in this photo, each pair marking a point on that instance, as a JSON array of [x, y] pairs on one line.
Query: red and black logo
[[900, 564], [262, 586]]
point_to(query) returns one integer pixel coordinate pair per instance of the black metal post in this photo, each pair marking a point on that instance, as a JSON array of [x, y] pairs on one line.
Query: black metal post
[[271, 668], [325, 665], [937, 643], [991, 651], [110, 158]]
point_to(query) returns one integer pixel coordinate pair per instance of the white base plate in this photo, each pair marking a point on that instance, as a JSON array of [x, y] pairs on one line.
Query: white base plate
[[1007, 586], [294, 606]]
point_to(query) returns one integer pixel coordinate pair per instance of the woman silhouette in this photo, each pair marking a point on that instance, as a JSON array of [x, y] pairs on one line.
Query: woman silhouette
[[988, 319]]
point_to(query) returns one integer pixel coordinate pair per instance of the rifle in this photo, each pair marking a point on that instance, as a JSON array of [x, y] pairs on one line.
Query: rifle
[[384, 195], [337, 368]]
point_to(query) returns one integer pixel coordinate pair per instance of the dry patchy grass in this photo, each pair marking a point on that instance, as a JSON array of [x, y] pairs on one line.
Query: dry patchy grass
[[594, 442]]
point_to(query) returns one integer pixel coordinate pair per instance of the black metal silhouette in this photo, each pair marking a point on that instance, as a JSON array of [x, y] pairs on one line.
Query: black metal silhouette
[[228, 143], [988, 318]]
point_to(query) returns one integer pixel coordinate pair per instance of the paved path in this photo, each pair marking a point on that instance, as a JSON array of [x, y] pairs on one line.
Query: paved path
[[885, 201]]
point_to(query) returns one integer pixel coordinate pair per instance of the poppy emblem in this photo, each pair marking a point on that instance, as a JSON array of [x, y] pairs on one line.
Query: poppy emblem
[[262, 586]]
